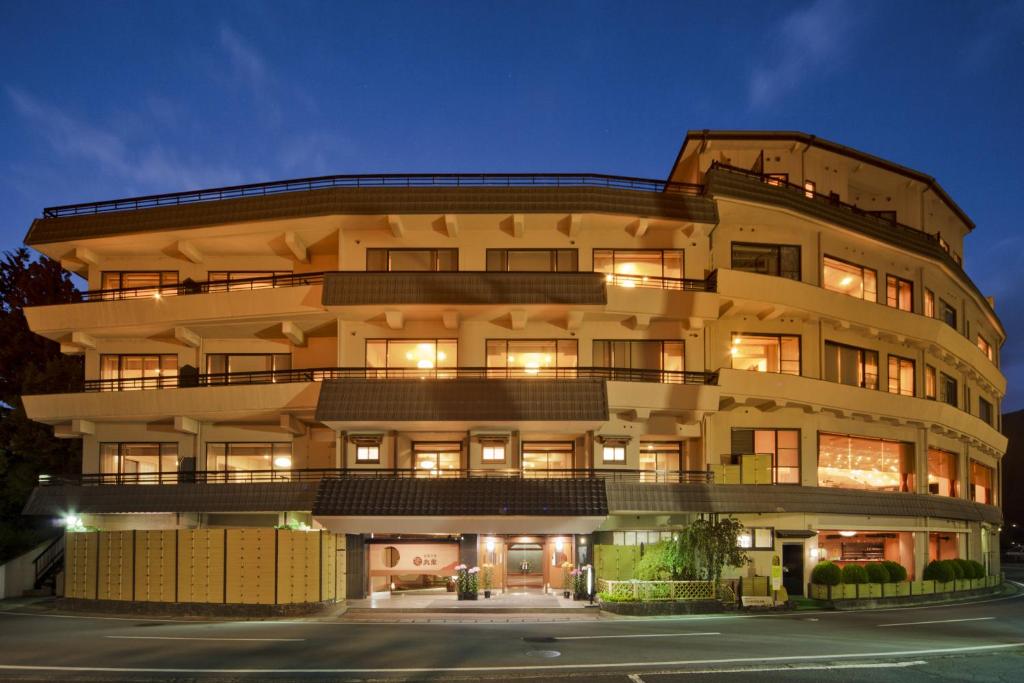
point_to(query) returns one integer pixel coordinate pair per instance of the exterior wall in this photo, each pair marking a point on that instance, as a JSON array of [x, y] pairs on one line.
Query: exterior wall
[[234, 566]]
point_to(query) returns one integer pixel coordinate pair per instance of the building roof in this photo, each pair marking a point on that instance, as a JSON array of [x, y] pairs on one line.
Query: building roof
[[456, 400], [390, 496], [694, 136], [464, 288]]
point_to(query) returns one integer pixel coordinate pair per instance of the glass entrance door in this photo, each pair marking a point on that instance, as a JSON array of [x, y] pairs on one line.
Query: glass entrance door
[[524, 568]]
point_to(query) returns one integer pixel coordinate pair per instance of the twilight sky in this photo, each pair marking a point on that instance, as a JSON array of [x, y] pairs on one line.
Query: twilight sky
[[109, 99]]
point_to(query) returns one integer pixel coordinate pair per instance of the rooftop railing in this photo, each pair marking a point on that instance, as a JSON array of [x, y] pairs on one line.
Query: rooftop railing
[[187, 287], [413, 180], [299, 475], [184, 381]]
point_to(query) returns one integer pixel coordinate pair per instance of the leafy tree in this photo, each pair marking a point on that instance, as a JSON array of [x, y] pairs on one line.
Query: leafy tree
[[30, 364], [661, 562], [707, 546]]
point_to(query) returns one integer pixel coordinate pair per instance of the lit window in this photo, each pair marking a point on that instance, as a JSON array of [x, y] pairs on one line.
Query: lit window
[[138, 372], [850, 279], [853, 462], [437, 459], [494, 452], [412, 260], [809, 189], [901, 376], [942, 473], [985, 347], [660, 461], [899, 293], [639, 355], [367, 453], [541, 358], [756, 539], [929, 303], [777, 179], [982, 483], [766, 353], [633, 268], [614, 453], [782, 444], [140, 463], [851, 365], [533, 260], [930, 383], [425, 357]]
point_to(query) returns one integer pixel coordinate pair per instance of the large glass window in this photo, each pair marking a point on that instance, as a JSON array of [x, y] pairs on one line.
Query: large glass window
[[250, 461], [632, 267], [436, 459], [853, 462], [532, 357], [766, 353], [548, 459], [660, 461], [411, 357], [781, 260], [144, 283], [782, 444], [850, 279], [901, 376], [140, 463], [899, 293], [231, 280], [948, 390], [218, 365], [638, 355], [851, 365], [412, 260], [533, 260], [129, 372], [942, 473], [982, 483]]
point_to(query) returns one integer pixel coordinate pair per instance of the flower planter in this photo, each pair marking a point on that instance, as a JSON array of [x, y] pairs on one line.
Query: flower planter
[[467, 596], [820, 591], [566, 594], [945, 586], [487, 594], [845, 591], [869, 590]]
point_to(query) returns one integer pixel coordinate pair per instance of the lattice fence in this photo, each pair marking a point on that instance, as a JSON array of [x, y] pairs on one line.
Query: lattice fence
[[643, 591]]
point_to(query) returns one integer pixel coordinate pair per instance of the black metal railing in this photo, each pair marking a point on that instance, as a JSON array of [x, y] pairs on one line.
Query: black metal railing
[[413, 180], [187, 287], [48, 561], [305, 475], [832, 200], [325, 374]]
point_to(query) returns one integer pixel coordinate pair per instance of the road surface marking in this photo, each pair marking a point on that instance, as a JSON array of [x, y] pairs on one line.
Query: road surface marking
[[937, 621], [635, 678], [639, 635], [809, 667], [522, 667], [260, 640]]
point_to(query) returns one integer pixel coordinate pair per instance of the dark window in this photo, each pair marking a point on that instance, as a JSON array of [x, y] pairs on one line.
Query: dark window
[[412, 260], [781, 260], [947, 313], [533, 260], [851, 365], [985, 411], [222, 363], [947, 389], [638, 355]]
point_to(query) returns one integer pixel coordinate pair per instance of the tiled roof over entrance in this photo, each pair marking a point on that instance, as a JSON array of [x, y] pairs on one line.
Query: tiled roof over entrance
[[389, 496]]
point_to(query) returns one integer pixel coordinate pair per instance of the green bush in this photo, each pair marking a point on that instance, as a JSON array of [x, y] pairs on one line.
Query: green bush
[[897, 572], [965, 568], [608, 597], [854, 573], [877, 572], [979, 569], [661, 562], [958, 571], [826, 573], [939, 570]]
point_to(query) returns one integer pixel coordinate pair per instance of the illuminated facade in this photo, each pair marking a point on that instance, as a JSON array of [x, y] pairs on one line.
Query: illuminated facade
[[508, 370]]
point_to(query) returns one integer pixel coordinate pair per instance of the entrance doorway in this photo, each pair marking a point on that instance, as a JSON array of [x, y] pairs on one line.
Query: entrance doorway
[[524, 566], [793, 568]]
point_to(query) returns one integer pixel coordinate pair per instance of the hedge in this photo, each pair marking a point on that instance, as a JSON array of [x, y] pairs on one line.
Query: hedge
[[897, 572], [854, 573], [979, 569], [939, 570], [826, 573], [877, 572]]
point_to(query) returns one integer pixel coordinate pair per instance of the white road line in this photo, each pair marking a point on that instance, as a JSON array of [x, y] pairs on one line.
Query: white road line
[[246, 640], [635, 678], [937, 621], [530, 667], [640, 635], [810, 667]]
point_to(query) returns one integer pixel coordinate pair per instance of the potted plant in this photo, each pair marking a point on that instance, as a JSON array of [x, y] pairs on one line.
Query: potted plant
[[567, 579], [466, 581], [579, 582], [486, 578]]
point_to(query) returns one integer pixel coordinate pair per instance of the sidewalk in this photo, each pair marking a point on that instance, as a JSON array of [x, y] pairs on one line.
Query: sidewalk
[[446, 607]]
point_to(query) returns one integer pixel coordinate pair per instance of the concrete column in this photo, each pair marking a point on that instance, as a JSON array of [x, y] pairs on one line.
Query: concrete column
[[920, 553]]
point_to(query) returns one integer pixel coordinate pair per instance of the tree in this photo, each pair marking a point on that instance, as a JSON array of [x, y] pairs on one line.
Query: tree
[[30, 364], [708, 545]]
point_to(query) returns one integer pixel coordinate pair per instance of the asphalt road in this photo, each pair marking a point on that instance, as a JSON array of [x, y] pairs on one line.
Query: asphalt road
[[981, 640]]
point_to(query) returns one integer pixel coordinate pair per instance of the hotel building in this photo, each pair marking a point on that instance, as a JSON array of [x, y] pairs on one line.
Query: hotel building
[[514, 369]]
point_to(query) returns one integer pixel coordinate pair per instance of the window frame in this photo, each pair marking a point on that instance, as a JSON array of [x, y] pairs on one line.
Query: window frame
[[775, 455], [984, 405], [375, 448], [553, 253], [778, 337], [863, 370], [863, 269], [618, 453], [120, 476], [661, 355], [777, 255], [945, 307], [121, 380], [753, 538], [889, 379], [614, 250], [521, 371], [929, 303], [434, 258], [986, 348], [897, 282], [943, 393], [907, 479], [993, 483], [274, 469]]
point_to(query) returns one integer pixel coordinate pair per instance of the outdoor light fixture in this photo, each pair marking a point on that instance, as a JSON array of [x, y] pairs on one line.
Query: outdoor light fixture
[[283, 461], [559, 545], [490, 545], [73, 522], [847, 534]]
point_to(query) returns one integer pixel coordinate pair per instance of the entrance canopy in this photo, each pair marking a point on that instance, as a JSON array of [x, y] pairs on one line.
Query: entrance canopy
[[484, 525]]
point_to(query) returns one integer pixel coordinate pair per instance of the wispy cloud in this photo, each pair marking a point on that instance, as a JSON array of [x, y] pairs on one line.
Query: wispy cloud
[[148, 166], [246, 61], [808, 39]]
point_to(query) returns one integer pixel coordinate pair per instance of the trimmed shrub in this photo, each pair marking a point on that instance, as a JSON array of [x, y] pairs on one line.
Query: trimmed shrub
[[965, 567], [826, 573], [939, 570], [958, 570], [661, 562], [979, 569], [897, 572], [854, 573], [877, 572]]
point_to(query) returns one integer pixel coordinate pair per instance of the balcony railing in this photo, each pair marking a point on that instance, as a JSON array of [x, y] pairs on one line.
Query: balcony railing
[[708, 284], [414, 180], [297, 475], [324, 374]]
